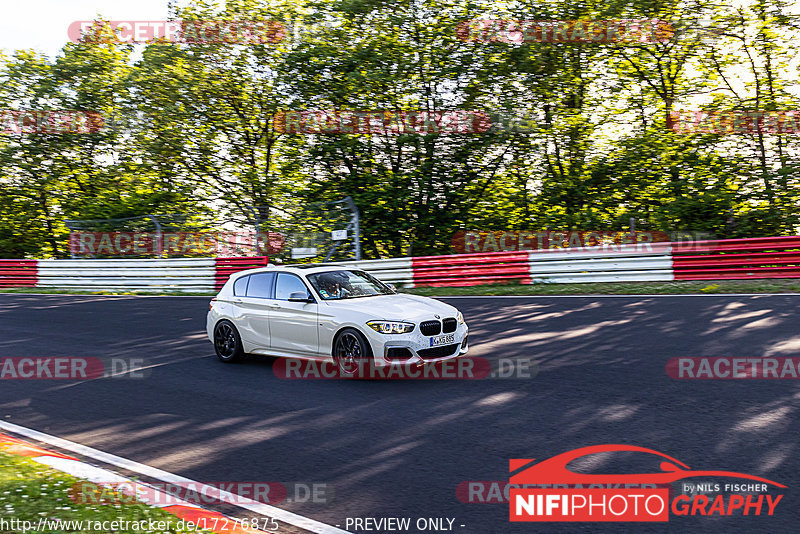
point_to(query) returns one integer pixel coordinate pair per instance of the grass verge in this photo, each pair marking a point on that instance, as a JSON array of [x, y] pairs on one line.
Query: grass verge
[[789, 285], [30, 491]]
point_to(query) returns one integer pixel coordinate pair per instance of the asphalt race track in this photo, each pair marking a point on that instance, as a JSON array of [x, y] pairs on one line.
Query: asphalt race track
[[400, 448]]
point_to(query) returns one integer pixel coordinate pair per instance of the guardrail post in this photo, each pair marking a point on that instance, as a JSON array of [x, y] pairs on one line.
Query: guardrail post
[[159, 237]]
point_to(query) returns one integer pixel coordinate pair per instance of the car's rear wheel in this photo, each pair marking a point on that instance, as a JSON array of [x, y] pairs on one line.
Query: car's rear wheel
[[351, 352], [227, 342]]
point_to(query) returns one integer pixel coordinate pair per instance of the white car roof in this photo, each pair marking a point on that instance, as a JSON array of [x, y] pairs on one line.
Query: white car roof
[[296, 270]]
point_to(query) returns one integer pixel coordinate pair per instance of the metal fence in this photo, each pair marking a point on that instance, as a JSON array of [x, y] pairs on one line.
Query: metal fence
[[323, 231]]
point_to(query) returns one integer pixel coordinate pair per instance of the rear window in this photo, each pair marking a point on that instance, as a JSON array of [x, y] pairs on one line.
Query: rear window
[[240, 286], [260, 285]]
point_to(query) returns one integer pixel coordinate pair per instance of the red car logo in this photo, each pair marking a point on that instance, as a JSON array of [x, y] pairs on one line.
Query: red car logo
[[555, 471]]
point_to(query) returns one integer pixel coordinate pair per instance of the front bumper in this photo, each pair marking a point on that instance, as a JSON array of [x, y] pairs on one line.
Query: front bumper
[[386, 348]]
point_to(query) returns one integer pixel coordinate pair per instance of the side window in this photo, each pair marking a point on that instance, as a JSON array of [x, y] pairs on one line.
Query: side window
[[240, 286], [288, 284], [260, 285]]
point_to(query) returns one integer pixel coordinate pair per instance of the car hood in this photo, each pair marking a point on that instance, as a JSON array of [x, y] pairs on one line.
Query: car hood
[[396, 307]]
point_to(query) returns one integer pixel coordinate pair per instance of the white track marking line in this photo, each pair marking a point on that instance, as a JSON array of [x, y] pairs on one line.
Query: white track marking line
[[165, 476], [106, 478], [81, 470]]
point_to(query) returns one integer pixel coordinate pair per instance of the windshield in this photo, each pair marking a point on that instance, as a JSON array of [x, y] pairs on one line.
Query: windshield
[[336, 285]]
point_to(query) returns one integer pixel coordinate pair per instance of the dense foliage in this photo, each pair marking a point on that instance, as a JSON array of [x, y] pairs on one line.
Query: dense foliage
[[190, 127]]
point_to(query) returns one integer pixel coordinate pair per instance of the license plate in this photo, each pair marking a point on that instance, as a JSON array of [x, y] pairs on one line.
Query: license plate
[[443, 340]]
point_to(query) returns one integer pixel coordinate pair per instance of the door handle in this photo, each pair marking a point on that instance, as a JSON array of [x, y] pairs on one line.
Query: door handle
[[273, 305]]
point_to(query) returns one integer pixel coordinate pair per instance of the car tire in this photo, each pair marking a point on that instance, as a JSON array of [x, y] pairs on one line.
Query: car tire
[[351, 352], [227, 342]]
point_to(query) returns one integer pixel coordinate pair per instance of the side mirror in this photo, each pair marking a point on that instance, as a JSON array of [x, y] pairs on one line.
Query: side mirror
[[300, 296], [391, 286]]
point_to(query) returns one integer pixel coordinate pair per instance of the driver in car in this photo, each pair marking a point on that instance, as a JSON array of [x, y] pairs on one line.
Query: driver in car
[[333, 290]]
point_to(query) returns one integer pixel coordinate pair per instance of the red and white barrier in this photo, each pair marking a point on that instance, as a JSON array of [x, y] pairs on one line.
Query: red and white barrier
[[761, 257], [644, 262], [769, 257], [188, 274], [472, 269], [225, 267], [184, 274], [18, 273]]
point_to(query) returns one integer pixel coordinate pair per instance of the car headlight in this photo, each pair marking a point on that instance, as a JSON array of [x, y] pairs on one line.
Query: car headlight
[[460, 318], [391, 327]]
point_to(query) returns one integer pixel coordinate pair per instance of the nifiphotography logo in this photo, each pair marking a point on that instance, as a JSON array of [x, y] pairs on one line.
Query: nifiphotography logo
[[550, 491]]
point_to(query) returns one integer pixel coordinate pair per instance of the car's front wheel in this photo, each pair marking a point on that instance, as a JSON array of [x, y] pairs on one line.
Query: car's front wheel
[[227, 342], [351, 351]]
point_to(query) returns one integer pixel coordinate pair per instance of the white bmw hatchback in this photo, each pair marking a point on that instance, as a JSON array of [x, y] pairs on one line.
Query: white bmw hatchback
[[331, 313]]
